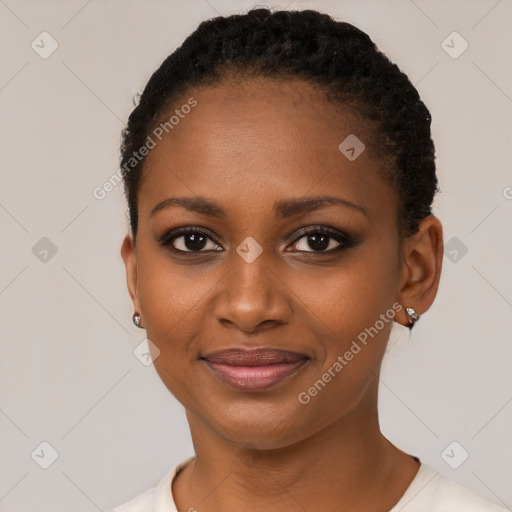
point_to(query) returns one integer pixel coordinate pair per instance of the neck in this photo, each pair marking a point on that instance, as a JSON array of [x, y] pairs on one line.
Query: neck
[[349, 462]]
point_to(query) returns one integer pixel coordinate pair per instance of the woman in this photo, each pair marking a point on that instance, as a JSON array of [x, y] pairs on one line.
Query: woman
[[280, 174]]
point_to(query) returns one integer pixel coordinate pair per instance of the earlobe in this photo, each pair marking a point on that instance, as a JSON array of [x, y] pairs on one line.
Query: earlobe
[[130, 262], [422, 259]]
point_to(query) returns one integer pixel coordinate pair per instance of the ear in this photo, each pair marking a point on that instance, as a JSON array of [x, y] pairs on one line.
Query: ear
[[422, 258], [129, 256]]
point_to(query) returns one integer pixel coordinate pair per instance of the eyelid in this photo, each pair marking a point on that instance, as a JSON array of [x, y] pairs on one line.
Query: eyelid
[[171, 234], [322, 229]]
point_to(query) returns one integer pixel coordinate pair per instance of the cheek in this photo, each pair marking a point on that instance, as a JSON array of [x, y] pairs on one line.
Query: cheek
[[351, 311], [173, 301], [170, 291], [351, 297], [352, 337]]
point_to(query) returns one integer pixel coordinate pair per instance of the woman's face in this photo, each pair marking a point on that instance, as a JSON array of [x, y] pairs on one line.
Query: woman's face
[[249, 158]]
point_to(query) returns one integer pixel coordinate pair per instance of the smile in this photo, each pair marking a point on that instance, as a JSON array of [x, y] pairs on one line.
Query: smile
[[254, 370]]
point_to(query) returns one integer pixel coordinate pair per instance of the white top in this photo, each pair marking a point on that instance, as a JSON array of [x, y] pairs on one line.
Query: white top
[[428, 492]]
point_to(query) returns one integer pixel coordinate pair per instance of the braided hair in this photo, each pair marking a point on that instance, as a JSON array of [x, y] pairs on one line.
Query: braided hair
[[336, 57]]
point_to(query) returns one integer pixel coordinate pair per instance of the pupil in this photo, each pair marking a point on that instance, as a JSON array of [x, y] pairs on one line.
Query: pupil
[[318, 241], [196, 242]]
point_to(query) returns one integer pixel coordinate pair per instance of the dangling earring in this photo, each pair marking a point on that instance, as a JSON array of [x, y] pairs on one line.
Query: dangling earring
[[412, 315], [136, 320]]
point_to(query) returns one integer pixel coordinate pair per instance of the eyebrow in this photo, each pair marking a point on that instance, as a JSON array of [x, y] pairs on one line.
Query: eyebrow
[[284, 209]]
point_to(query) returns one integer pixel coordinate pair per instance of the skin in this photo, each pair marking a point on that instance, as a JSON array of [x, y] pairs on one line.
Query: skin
[[246, 146]]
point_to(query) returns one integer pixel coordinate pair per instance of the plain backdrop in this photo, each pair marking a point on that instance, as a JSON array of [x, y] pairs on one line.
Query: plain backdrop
[[69, 377]]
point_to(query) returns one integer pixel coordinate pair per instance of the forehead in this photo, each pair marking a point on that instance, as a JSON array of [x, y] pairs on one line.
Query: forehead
[[257, 139]]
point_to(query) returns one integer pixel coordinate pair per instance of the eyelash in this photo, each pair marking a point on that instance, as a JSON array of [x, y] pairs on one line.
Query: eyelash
[[345, 241]]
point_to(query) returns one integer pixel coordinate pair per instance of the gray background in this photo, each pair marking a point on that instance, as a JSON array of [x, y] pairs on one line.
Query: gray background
[[68, 375]]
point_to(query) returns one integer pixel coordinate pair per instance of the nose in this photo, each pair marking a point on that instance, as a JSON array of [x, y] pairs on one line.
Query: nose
[[252, 297]]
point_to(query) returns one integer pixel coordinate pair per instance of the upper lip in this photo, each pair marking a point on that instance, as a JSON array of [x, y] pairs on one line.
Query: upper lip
[[254, 357]]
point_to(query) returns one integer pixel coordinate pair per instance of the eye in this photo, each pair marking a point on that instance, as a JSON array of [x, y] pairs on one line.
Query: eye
[[189, 240], [322, 239]]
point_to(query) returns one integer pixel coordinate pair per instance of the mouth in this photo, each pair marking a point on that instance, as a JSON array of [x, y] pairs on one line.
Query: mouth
[[254, 369]]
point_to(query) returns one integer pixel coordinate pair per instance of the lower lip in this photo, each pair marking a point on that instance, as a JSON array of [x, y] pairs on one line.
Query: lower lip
[[254, 378]]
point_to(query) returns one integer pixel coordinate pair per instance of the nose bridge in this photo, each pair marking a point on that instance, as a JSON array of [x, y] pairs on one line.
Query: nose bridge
[[251, 277], [251, 293]]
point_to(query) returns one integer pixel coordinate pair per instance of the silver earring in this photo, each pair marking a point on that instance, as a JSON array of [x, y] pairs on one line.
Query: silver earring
[[412, 315], [136, 320]]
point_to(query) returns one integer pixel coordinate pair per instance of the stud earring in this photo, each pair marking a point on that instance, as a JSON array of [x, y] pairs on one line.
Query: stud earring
[[412, 315], [136, 320]]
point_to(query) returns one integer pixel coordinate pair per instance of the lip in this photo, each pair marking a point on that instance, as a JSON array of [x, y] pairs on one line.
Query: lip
[[254, 369]]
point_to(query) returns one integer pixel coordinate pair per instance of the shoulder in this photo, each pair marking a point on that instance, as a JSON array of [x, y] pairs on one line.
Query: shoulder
[[148, 500], [430, 491], [142, 503], [158, 498]]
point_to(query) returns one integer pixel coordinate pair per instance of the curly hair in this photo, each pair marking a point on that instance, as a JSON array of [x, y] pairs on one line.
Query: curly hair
[[336, 57]]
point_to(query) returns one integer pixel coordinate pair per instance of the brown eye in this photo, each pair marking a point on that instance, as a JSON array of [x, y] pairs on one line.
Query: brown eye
[[322, 239], [189, 240]]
